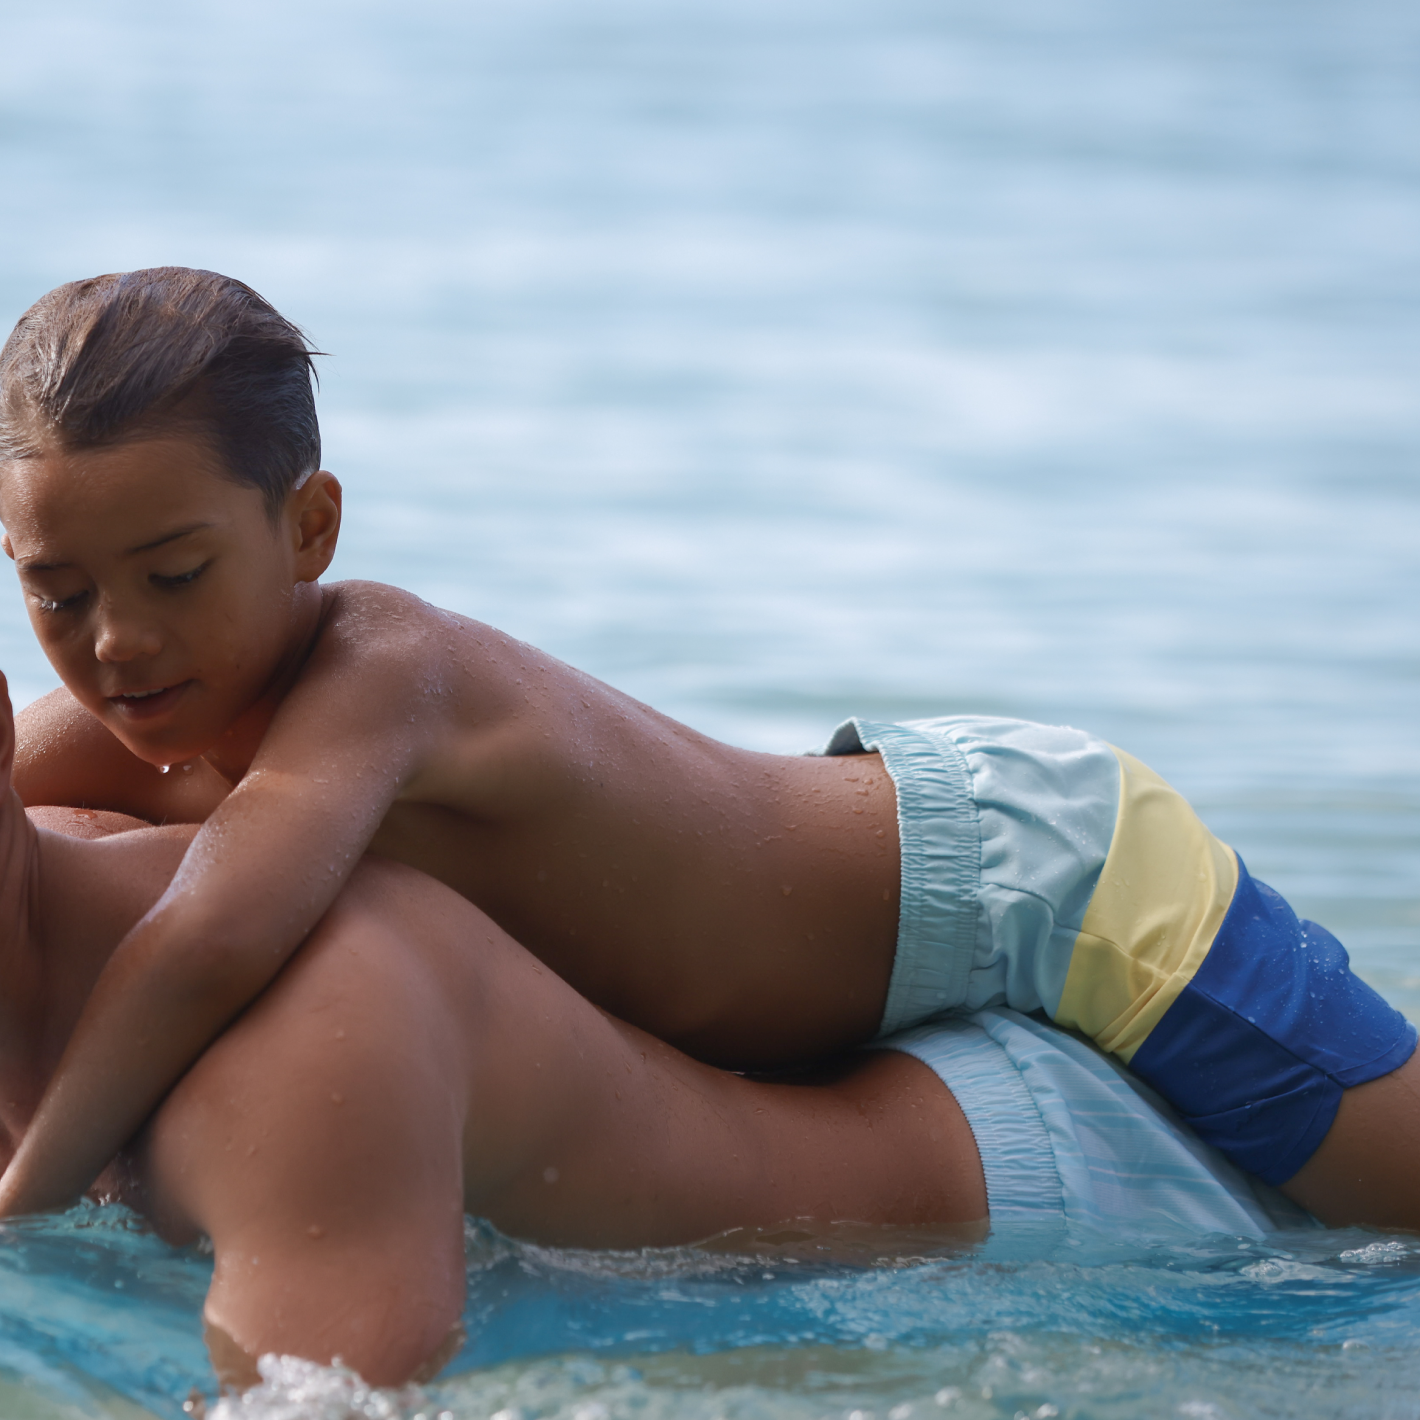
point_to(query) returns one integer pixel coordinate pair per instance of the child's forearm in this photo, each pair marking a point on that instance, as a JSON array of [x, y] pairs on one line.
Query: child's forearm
[[152, 1012]]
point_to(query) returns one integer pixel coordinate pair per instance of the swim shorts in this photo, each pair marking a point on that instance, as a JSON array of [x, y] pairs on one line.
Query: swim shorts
[[1068, 1140], [1045, 870]]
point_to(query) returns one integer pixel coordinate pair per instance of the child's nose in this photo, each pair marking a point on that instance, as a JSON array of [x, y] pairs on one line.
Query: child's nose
[[120, 637]]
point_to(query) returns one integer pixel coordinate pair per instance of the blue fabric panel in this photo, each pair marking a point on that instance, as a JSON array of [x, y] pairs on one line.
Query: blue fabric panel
[[1274, 1026]]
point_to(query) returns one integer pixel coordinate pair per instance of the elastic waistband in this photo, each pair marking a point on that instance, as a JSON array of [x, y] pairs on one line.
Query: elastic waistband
[[940, 839]]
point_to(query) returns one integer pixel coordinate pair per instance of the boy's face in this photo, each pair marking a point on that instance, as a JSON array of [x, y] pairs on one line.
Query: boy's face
[[160, 590]]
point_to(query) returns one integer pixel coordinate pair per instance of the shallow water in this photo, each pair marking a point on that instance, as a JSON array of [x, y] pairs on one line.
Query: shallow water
[[1317, 1323], [778, 362]]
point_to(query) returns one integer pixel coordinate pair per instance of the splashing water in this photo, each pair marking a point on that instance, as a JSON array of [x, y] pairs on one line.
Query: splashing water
[[293, 1389]]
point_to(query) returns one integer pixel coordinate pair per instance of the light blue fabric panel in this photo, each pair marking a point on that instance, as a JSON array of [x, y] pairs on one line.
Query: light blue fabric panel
[[1046, 798], [1060, 1127], [1004, 826], [1023, 1183]]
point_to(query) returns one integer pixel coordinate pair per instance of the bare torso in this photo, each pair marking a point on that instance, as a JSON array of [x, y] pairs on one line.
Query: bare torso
[[687, 886]]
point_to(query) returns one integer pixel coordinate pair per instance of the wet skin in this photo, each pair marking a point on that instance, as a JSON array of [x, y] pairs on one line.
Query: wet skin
[[392, 1077], [740, 906], [412, 1063]]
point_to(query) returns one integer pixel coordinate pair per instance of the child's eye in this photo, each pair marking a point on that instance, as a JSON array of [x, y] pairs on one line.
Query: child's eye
[[182, 579], [50, 604]]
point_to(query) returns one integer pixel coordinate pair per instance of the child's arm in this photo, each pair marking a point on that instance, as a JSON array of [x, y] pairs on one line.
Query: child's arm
[[257, 877]]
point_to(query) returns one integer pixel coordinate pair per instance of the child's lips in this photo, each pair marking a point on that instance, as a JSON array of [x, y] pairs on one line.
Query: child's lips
[[147, 704]]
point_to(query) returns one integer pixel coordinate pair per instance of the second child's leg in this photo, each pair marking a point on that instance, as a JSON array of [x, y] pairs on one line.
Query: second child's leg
[[1367, 1169]]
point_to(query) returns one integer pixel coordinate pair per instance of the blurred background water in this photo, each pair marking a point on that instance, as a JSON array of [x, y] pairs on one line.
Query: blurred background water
[[777, 362]]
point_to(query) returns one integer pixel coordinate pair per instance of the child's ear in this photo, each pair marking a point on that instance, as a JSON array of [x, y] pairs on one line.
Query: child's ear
[[313, 515]]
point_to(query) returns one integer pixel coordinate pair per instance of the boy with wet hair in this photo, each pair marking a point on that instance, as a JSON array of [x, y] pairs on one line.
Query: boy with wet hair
[[119, 357], [751, 909]]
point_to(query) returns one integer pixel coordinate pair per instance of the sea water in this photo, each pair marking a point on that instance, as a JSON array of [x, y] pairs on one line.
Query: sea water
[[781, 362]]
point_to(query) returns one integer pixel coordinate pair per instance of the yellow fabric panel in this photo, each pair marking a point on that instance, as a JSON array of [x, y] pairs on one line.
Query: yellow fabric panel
[[1164, 889]]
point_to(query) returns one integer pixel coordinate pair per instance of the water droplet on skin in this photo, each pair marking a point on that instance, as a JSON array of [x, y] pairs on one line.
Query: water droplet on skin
[[163, 768]]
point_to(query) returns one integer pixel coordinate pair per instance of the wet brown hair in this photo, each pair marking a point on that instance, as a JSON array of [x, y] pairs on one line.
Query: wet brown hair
[[137, 353]]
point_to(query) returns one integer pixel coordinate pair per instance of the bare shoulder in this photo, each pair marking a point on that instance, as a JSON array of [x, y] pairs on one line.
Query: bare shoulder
[[412, 663], [381, 620], [433, 707], [347, 1056], [320, 1135], [63, 755], [381, 627]]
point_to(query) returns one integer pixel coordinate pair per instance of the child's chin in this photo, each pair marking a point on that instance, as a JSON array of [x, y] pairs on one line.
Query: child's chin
[[162, 752]]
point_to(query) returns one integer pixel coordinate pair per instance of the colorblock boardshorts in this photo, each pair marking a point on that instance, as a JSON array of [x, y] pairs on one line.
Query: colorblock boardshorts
[[1067, 1139], [1045, 870]]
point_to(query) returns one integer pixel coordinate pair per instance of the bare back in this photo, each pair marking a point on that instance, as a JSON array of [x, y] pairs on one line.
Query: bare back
[[742, 906]]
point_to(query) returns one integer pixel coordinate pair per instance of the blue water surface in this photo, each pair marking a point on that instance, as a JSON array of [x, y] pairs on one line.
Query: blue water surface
[[93, 1308], [779, 362]]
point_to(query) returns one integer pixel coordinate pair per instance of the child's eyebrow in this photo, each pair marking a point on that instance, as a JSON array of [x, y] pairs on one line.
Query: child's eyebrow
[[167, 538], [25, 565]]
